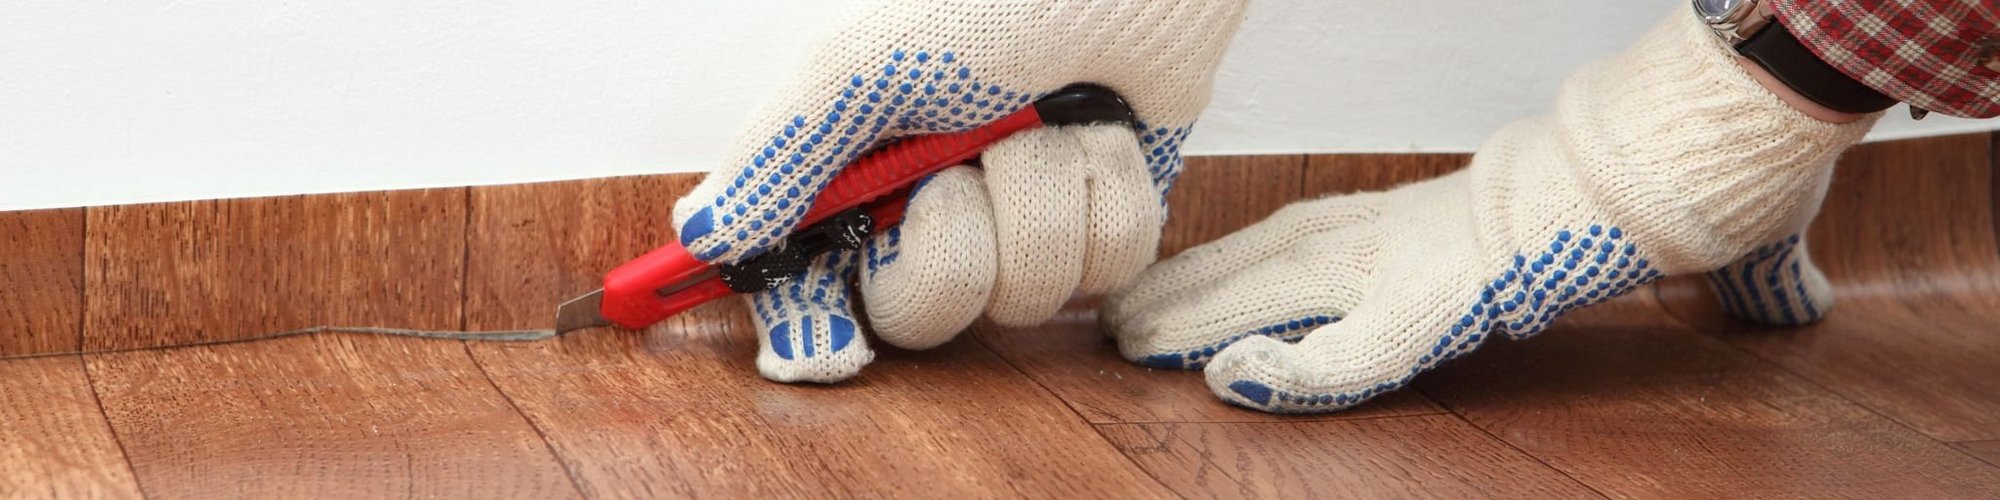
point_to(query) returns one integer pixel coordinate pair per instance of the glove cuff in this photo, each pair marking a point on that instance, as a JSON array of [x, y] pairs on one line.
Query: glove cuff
[[1675, 140]]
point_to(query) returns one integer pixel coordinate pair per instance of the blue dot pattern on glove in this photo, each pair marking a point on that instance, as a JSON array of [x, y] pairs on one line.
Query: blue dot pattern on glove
[[1163, 154], [809, 306], [912, 92], [1196, 358], [1576, 271], [1772, 294], [884, 250]]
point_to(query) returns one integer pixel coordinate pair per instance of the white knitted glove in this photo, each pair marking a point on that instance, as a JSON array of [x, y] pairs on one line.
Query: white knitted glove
[[1776, 285], [1055, 210], [1667, 159]]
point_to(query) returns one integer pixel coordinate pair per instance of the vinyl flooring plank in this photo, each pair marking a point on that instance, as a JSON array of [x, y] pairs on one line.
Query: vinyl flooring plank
[[1633, 404], [1906, 240], [678, 410], [1431, 456], [1985, 450], [54, 443], [326, 416]]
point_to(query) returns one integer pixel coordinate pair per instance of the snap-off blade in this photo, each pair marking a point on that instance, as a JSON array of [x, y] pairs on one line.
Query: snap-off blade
[[581, 312]]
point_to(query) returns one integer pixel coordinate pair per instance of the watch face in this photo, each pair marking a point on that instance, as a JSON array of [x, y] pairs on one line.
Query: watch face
[[1717, 11]]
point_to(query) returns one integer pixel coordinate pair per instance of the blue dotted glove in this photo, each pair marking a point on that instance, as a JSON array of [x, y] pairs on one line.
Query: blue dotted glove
[[1070, 197], [1667, 159]]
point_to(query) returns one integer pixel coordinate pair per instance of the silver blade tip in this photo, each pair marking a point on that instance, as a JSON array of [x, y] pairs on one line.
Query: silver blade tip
[[581, 312]]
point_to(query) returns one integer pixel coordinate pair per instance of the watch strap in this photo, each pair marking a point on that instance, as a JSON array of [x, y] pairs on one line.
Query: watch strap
[[1779, 52]]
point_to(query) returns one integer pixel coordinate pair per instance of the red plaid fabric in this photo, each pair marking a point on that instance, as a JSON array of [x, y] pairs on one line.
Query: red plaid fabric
[[1939, 55]]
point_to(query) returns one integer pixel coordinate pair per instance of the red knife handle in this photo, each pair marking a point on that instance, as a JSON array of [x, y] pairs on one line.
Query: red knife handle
[[635, 293], [905, 162], [669, 280], [901, 164]]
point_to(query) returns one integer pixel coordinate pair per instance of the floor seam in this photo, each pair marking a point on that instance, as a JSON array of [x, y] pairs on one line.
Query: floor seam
[[1957, 445], [1510, 445], [1177, 437], [1097, 429], [1993, 165], [575, 482], [981, 342], [1205, 459], [90, 381], [83, 363], [464, 318], [1031, 378], [465, 266], [83, 280], [1815, 383], [1810, 381]]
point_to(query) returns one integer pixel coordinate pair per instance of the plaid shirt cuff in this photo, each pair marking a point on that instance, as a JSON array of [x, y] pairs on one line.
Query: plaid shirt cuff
[[1939, 55]]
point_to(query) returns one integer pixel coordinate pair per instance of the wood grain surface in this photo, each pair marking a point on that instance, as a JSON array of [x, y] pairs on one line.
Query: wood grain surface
[[54, 443], [331, 415], [1071, 358], [1327, 175], [180, 273], [1633, 404], [1435, 456], [1654, 395], [41, 281], [679, 411], [325, 417], [1906, 236], [1985, 450]]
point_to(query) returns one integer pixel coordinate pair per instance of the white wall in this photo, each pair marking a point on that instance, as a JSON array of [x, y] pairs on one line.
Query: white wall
[[105, 102]]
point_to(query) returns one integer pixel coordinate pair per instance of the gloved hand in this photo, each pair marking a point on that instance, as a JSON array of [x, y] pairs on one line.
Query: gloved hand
[[1775, 285], [1666, 159], [1054, 211]]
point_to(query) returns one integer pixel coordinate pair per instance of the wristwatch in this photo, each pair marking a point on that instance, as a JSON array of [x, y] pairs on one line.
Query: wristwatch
[[1751, 27]]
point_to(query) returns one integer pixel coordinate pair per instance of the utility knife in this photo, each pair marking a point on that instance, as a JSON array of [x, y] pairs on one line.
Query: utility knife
[[866, 197]]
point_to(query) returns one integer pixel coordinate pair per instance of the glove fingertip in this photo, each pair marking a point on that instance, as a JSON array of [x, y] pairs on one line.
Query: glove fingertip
[[928, 279], [697, 226]]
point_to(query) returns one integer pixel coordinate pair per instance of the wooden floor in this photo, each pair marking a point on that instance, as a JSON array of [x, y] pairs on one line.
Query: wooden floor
[[1896, 395]]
